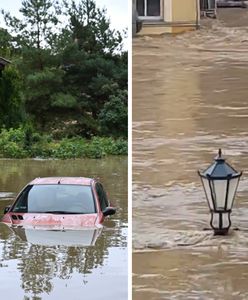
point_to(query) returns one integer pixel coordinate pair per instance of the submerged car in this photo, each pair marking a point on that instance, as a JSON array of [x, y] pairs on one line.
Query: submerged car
[[60, 201]]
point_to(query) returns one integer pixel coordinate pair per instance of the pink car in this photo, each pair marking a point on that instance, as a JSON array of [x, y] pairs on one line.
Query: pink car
[[66, 202]]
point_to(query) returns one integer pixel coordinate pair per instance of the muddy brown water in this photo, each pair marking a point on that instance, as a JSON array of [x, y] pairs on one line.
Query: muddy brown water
[[66, 265], [190, 97]]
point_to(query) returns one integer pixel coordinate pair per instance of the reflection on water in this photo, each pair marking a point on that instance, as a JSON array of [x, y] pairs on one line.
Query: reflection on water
[[189, 99], [52, 264], [53, 237]]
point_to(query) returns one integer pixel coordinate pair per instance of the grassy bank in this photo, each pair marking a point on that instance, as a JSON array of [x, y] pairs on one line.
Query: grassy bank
[[24, 143]]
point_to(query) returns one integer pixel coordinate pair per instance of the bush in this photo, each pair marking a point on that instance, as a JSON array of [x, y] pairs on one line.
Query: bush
[[12, 150], [69, 148], [12, 143], [24, 142], [113, 117]]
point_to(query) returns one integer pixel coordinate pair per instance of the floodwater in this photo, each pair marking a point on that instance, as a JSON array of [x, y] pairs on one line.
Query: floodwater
[[75, 264], [190, 97]]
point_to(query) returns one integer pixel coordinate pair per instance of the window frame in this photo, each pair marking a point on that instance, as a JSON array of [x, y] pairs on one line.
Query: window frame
[[146, 17], [98, 184]]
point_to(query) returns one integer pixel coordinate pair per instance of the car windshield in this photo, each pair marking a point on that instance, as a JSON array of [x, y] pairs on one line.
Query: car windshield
[[57, 198]]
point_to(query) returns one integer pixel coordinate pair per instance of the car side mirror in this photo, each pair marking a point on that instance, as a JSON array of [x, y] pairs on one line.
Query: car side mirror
[[109, 211], [6, 209]]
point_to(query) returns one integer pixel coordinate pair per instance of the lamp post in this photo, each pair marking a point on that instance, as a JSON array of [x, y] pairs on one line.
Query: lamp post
[[220, 182]]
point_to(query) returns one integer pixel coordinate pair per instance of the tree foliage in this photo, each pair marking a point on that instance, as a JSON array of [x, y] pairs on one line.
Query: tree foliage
[[72, 66], [37, 26], [90, 27], [113, 116], [5, 44], [11, 103]]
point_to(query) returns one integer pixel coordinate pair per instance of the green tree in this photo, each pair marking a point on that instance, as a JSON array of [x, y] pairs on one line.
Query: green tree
[[43, 87], [11, 100], [36, 27], [90, 27], [113, 116], [71, 73], [35, 35], [5, 45], [96, 69]]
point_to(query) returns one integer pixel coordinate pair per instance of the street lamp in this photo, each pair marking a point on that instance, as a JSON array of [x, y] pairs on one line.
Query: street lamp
[[220, 182]]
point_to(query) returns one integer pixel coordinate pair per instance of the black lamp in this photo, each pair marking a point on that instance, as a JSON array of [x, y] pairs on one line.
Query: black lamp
[[220, 182]]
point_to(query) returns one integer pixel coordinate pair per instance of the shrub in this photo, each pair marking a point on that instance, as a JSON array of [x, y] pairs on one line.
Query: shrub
[[113, 117], [12, 150], [24, 142]]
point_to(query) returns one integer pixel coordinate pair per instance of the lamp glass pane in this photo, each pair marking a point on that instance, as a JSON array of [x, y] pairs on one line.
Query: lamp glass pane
[[220, 193], [216, 221], [233, 184], [205, 182]]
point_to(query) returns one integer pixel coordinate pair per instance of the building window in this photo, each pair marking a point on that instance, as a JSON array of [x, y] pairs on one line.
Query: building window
[[207, 4], [149, 8]]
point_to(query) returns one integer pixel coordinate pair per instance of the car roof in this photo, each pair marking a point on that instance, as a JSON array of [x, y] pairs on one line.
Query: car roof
[[62, 180]]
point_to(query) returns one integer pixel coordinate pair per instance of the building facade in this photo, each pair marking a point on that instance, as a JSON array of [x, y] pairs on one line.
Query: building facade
[[168, 16]]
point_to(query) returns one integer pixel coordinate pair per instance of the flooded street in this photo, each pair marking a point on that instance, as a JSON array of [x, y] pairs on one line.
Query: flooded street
[[190, 97], [75, 264]]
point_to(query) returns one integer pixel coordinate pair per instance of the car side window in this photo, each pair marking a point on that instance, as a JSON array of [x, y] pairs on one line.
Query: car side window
[[102, 196], [21, 204]]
